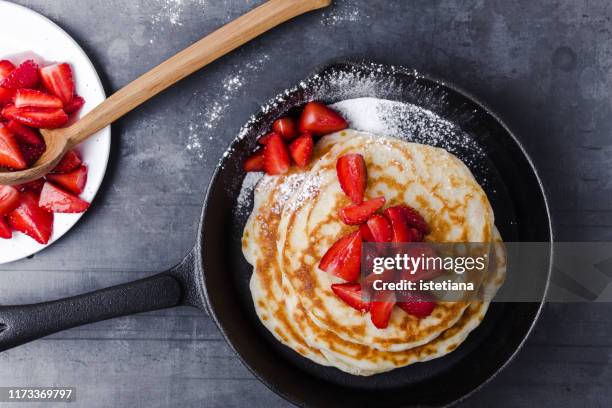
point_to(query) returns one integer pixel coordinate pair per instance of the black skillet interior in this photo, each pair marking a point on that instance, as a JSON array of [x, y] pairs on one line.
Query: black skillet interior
[[521, 215]]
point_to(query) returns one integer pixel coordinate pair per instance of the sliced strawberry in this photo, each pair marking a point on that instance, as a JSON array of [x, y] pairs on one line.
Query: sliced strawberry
[[343, 259], [5, 229], [34, 185], [366, 234], [421, 272], [9, 199], [30, 219], [276, 156], [379, 228], [7, 96], [24, 134], [6, 67], [414, 219], [367, 283], [54, 199], [69, 162], [254, 162], [24, 76], [265, 138], [301, 150], [10, 154], [285, 127], [353, 176], [74, 181], [35, 99], [418, 235], [34, 117], [57, 79], [401, 231], [381, 308], [350, 293], [359, 213], [76, 104], [418, 309], [31, 153], [320, 120]]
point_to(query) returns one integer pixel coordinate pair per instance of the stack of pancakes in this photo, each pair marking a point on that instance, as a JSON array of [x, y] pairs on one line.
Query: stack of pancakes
[[295, 220]]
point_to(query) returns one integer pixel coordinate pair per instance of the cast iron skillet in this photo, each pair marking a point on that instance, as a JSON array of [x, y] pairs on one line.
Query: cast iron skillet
[[214, 276]]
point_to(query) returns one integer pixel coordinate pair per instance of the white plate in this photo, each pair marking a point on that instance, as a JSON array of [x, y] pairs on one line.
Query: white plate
[[26, 34]]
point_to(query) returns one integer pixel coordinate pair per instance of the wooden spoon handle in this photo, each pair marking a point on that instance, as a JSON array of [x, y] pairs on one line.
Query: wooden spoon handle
[[192, 58]]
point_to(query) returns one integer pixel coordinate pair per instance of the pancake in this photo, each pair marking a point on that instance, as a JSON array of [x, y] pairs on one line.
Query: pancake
[[294, 222], [259, 248], [429, 179], [366, 360]]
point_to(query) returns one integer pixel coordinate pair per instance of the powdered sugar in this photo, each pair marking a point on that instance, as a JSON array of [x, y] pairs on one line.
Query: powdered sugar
[[246, 191], [173, 11], [408, 122], [355, 85], [212, 113], [341, 12]]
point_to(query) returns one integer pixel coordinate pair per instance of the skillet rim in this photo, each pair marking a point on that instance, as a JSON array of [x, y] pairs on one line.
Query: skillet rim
[[363, 63]]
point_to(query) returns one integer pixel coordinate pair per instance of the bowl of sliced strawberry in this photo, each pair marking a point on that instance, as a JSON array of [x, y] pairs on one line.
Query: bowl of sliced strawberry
[[46, 82], [37, 97]]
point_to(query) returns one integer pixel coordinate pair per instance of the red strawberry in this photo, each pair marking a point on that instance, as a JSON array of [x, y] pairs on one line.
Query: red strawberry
[[5, 229], [10, 154], [74, 181], [24, 76], [301, 150], [36, 99], [276, 156], [69, 162], [265, 138], [30, 219], [9, 199], [34, 117], [350, 293], [57, 79], [255, 162], [379, 228], [401, 231], [34, 185], [418, 309], [76, 104], [285, 127], [367, 283], [54, 199], [25, 134], [359, 213], [318, 119], [6, 67], [7, 96], [414, 219], [343, 259], [31, 153], [421, 272], [381, 308], [366, 235], [353, 176]]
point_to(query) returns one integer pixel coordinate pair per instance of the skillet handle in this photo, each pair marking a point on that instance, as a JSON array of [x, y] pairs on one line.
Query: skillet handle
[[21, 324]]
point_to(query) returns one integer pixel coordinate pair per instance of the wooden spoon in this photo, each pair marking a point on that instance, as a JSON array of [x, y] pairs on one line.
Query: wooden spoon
[[192, 58]]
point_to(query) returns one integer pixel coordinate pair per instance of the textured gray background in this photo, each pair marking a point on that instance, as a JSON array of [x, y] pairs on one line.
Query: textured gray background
[[545, 66]]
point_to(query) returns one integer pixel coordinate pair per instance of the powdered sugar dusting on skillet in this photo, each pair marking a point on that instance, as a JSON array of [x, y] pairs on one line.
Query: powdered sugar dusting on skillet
[[408, 122], [354, 87]]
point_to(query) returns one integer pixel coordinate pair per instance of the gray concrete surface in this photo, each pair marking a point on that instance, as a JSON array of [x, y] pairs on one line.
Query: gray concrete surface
[[544, 66]]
